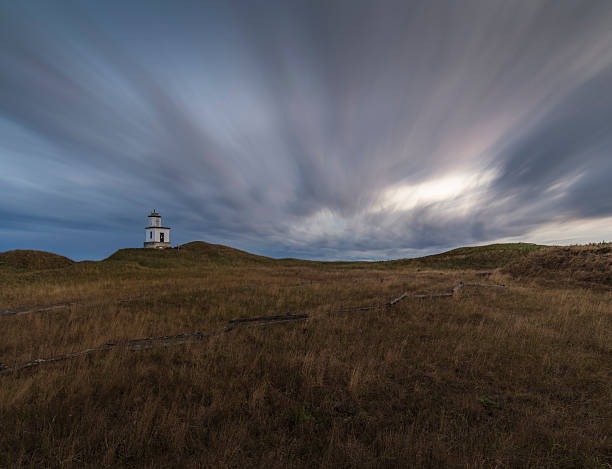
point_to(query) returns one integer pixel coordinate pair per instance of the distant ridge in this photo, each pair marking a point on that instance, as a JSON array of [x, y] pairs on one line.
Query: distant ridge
[[198, 252], [26, 260], [588, 263], [477, 257]]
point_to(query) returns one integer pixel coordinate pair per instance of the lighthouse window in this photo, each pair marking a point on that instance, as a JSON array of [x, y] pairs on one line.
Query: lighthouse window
[[161, 237], [150, 235]]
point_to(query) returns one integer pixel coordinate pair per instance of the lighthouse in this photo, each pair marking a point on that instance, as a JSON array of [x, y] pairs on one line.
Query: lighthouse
[[156, 235]]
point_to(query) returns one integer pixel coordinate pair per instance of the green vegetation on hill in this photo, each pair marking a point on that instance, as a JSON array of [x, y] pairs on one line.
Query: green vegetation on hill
[[198, 253], [188, 255], [477, 257], [26, 260], [591, 264]]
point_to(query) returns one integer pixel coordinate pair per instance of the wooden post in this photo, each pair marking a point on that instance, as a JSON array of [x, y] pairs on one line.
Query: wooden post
[[457, 290]]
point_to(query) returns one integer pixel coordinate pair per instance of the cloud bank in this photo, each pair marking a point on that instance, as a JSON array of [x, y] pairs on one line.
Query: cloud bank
[[329, 130]]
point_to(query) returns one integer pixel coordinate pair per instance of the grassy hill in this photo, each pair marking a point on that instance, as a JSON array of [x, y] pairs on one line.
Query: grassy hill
[[197, 253], [188, 255], [27, 260], [477, 257], [590, 264]]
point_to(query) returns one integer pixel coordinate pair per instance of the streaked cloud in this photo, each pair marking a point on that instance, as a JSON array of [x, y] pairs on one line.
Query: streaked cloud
[[354, 129]]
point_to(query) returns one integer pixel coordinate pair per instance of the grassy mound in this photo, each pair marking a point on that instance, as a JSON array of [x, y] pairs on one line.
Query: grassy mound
[[198, 252], [190, 254], [217, 252], [477, 257], [25, 260], [589, 264]]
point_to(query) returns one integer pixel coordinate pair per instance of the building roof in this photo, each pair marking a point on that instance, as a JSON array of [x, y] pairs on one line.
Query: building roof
[[154, 214], [156, 228]]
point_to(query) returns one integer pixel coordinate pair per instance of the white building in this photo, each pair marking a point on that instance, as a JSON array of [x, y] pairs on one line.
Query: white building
[[156, 235]]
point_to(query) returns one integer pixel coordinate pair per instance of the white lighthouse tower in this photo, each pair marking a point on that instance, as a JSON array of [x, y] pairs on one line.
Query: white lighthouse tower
[[156, 235]]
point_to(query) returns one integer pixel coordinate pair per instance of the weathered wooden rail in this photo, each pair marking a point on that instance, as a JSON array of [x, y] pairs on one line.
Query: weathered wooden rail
[[194, 337], [162, 341], [452, 293], [36, 308], [50, 307]]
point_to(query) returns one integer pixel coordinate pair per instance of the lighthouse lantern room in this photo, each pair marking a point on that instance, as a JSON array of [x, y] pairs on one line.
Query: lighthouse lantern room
[[156, 235]]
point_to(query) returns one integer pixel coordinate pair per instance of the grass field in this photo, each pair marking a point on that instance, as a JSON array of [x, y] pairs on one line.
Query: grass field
[[491, 377]]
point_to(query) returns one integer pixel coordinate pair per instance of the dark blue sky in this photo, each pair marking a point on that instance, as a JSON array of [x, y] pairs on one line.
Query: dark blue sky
[[319, 129]]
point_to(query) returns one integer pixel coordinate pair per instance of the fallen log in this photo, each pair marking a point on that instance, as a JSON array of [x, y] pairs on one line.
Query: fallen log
[[40, 361], [288, 316], [135, 344], [357, 308], [152, 339], [194, 337], [399, 298], [433, 295], [204, 336], [484, 284], [36, 308]]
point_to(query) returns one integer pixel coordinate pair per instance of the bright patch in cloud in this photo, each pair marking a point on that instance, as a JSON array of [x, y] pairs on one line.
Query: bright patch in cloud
[[454, 186]]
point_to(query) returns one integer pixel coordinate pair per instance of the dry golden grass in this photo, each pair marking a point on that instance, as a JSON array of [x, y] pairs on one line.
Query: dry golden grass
[[494, 378], [588, 265]]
